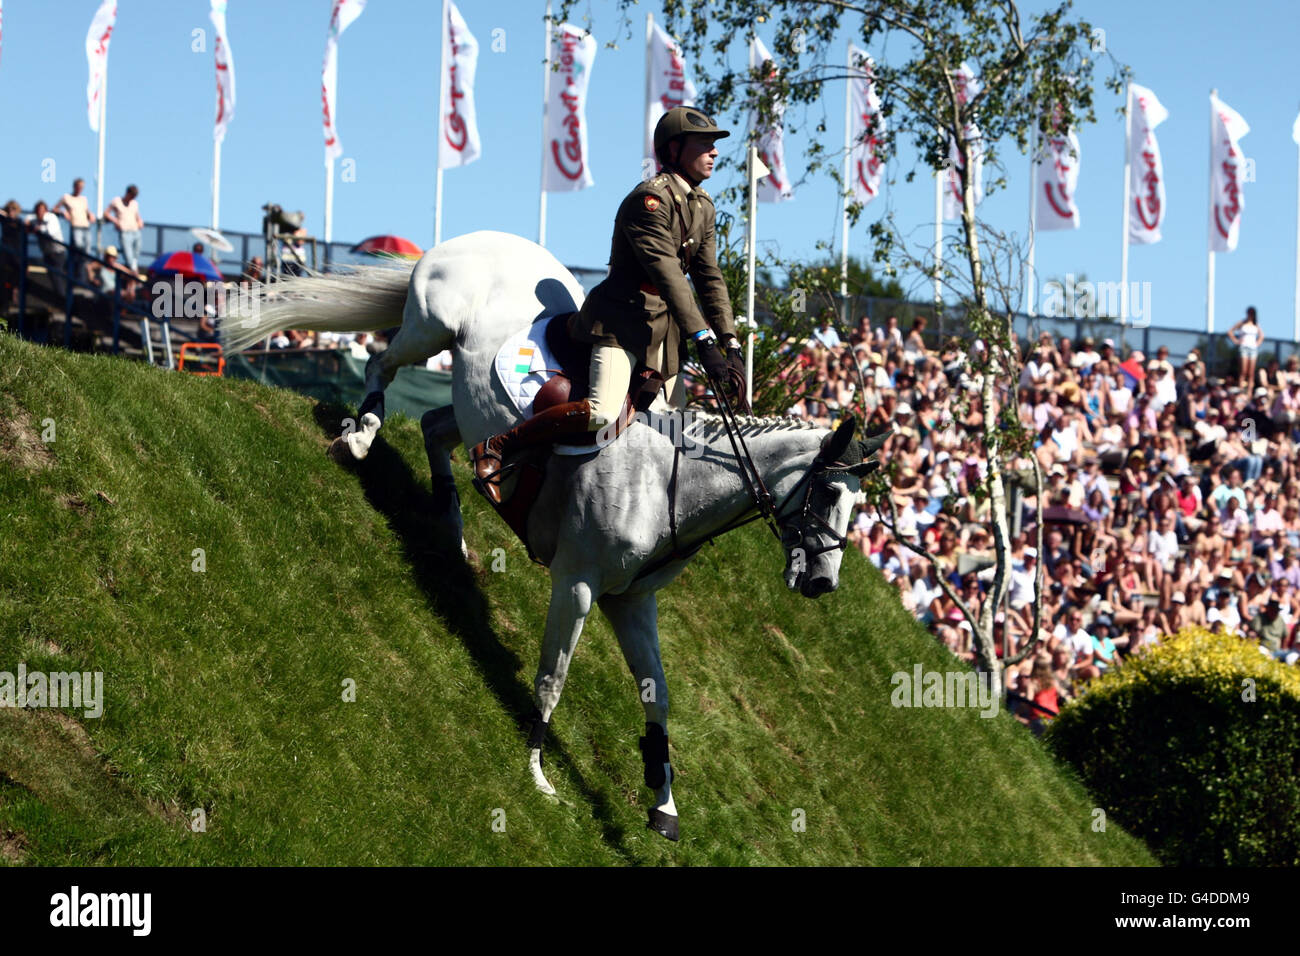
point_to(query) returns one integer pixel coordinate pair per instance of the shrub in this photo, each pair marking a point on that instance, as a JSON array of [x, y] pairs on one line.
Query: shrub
[[1195, 747]]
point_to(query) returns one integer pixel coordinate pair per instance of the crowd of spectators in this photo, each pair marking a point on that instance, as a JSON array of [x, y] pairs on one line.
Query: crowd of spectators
[[1170, 498]]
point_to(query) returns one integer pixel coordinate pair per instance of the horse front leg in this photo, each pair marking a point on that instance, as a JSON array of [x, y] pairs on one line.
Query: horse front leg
[[570, 605], [635, 619]]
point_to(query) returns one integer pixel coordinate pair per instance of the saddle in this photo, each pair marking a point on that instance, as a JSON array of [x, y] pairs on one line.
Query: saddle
[[569, 383]]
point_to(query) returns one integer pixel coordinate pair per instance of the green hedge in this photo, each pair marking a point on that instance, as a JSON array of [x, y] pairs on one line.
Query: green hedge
[[1177, 754]]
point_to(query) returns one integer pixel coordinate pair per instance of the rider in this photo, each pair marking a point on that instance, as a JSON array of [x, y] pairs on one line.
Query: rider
[[664, 229]]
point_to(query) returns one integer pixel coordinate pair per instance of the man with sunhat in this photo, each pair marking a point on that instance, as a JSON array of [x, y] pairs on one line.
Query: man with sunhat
[[1270, 628], [644, 310]]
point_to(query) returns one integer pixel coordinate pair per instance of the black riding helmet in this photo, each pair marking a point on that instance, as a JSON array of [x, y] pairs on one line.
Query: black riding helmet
[[680, 121]]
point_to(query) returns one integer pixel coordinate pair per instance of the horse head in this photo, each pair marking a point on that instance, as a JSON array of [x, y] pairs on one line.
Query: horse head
[[814, 527]]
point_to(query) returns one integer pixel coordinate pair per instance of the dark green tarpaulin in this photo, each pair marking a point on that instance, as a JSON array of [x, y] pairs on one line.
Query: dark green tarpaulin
[[335, 376]]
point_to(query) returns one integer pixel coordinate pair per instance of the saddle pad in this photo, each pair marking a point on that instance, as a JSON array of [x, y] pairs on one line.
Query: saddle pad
[[525, 363]]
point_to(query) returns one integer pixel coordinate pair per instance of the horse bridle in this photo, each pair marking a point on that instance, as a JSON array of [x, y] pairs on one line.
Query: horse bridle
[[763, 500]]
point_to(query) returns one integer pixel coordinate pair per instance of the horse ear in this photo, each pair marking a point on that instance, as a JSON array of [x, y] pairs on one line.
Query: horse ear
[[864, 468], [839, 442]]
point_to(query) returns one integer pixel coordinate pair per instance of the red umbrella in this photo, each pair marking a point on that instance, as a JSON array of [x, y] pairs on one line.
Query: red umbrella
[[189, 264], [1134, 368], [389, 246]]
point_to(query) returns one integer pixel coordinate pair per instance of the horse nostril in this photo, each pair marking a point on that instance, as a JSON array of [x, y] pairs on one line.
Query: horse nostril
[[819, 586]]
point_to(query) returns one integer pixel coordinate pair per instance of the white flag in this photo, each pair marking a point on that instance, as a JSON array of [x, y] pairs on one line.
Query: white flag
[[668, 84], [565, 165], [1229, 175], [867, 125], [967, 85], [341, 16], [775, 186], [1295, 131], [97, 37], [225, 71], [1057, 177], [1146, 169], [459, 143]]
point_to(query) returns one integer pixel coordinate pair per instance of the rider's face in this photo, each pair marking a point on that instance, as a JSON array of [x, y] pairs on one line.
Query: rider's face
[[697, 156]]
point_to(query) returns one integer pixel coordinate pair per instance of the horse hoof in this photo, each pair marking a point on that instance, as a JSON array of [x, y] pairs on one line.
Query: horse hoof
[[539, 778], [357, 445], [665, 824]]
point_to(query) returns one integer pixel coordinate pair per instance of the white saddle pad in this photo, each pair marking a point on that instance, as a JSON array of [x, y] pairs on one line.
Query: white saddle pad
[[523, 365]]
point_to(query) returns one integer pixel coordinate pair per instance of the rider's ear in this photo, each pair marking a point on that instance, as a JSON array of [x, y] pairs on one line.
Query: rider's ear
[[839, 442]]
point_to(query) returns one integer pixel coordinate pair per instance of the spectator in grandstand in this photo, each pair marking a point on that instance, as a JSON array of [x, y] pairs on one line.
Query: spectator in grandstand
[[49, 236], [826, 333], [255, 272], [75, 208], [1248, 337], [124, 213]]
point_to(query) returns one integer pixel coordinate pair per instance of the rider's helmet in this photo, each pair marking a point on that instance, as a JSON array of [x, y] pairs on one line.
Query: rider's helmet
[[681, 121]]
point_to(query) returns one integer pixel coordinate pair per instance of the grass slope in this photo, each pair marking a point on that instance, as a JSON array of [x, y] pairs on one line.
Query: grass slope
[[223, 688]]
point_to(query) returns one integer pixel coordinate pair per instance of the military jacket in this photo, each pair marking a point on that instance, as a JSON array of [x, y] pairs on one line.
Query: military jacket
[[661, 233]]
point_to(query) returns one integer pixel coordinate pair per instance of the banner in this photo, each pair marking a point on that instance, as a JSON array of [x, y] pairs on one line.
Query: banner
[[565, 165], [775, 186], [867, 125], [668, 85], [459, 143], [1228, 168], [225, 71], [341, 17], [968, 86], [1146, 169], [1057, 177], [97, 37]]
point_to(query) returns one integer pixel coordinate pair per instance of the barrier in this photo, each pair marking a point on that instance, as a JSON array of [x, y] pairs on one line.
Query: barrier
[[189, 349]]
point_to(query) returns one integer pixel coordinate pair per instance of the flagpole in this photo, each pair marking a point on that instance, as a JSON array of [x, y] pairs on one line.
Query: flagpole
[[1209, 239], [546, 96], [329, 198], [844, 212], [1295, 335], [648, 145], [938, 240], [216, 182], [1030, 283], [99, 176], [442, 100], [1128, 172], [751, 256]]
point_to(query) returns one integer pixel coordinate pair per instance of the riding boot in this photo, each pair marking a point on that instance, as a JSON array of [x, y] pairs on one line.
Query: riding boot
[[569, 420]]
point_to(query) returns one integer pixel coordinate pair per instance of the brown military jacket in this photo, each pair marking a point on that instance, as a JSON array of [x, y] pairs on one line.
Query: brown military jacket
[[661, 233]]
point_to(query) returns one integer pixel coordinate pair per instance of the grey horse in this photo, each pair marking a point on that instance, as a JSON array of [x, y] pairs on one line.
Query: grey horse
[[616, 525]]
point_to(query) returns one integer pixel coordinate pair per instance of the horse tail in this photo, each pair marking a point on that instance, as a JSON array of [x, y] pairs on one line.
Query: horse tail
[[359, 299]]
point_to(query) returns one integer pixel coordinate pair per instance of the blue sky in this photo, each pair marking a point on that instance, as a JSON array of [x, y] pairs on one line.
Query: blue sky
[[161, 102]]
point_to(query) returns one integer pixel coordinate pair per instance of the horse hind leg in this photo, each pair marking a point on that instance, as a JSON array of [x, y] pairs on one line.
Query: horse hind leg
[[441, 435], [416, 341], [570, 605], [635, 619]]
